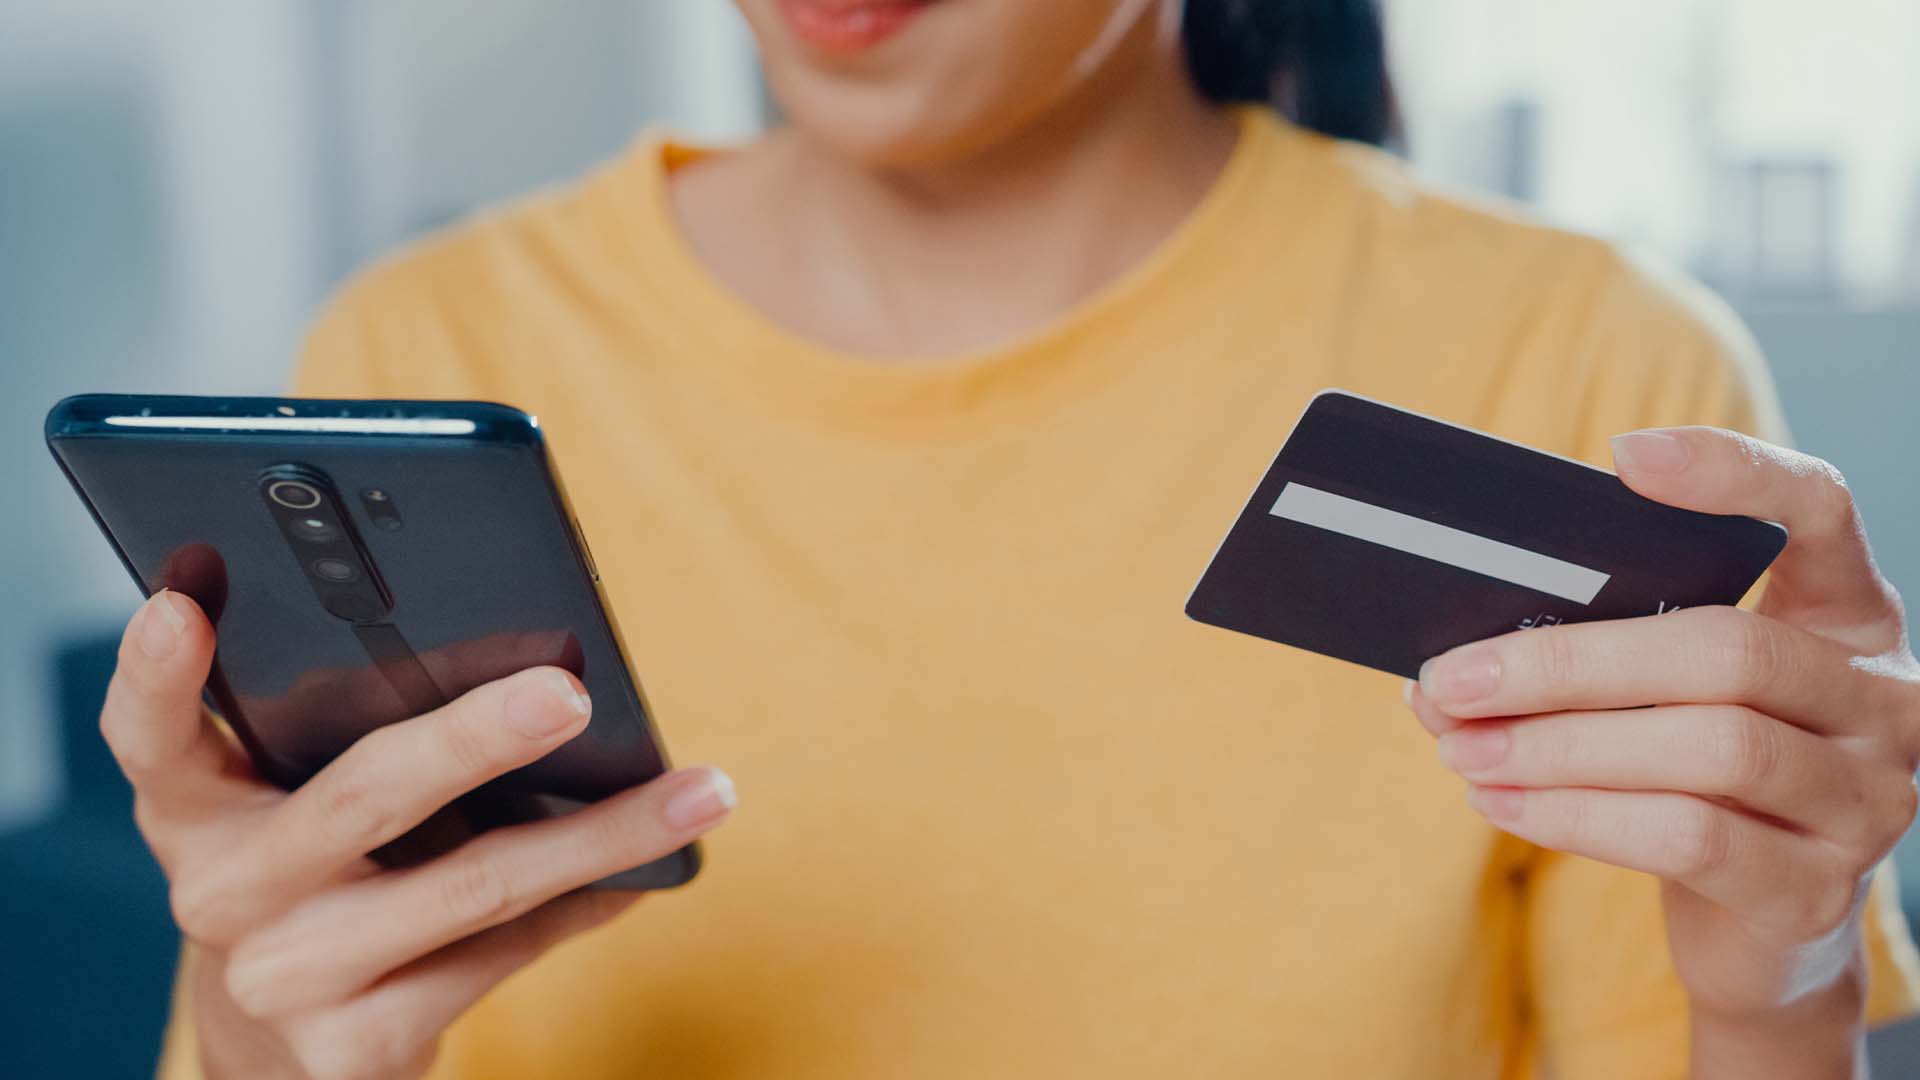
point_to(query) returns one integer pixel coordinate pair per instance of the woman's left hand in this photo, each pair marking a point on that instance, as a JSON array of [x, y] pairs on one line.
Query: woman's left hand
[[1775, 768]]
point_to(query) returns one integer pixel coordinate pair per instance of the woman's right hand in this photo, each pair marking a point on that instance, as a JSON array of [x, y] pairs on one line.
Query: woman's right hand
[[313, 961]]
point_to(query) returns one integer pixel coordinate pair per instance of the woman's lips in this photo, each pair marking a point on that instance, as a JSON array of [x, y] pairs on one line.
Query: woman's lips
[[848, 26]]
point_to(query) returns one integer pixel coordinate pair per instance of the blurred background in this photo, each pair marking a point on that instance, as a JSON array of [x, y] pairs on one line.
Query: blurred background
[[181, 185]]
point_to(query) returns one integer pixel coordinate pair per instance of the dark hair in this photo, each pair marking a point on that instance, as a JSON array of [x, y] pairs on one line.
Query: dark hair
[[1321, 62]]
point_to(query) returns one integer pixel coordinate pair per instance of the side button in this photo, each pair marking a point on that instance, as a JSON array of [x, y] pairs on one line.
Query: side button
[[586, 553]]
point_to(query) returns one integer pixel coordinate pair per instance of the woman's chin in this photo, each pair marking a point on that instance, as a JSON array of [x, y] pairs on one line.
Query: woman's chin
[[884, 129]]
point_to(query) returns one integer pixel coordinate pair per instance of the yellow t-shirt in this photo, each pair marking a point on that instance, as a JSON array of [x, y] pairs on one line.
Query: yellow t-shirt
[[1004, 810]]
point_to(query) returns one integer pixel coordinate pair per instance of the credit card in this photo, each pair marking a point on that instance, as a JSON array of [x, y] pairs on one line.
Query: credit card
[[1384, 537]]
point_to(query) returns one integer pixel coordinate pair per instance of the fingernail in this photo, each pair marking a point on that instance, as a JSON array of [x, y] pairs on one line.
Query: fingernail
[[1499, 805], [1461, 676], [1652, 452], [546, 707], [1406, 691], [700, 802], [160, 626], [1473, 749]]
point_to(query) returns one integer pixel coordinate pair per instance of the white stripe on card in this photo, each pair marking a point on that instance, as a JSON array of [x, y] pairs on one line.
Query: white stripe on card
[[1441, 543]]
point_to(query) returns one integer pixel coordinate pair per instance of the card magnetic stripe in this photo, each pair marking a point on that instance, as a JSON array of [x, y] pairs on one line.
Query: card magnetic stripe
[[1439, 543]]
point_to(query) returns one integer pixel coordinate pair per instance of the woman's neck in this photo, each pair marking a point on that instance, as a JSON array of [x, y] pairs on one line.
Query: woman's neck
[[938, 260]]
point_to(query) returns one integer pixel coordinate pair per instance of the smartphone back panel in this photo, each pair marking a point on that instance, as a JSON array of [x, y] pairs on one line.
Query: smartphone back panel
[[460, 564]]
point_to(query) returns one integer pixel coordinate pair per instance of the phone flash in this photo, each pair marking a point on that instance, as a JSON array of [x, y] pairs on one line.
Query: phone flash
[[381, 509]]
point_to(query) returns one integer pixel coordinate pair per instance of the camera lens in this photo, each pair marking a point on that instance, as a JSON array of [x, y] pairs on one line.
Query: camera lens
[[337, 571], [318, 530], [293, 494]]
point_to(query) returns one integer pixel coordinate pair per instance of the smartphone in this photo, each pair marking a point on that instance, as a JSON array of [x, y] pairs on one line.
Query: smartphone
[[364, 562]]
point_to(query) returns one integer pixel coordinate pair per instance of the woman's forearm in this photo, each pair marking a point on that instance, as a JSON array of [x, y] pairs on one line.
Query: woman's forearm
[[1820, 1037]]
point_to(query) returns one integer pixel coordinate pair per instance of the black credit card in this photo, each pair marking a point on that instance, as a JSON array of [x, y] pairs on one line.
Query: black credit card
[[1384, 537]]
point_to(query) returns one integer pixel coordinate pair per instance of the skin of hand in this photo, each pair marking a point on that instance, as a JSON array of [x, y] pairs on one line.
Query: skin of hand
[[312, 961], [1760, 763]]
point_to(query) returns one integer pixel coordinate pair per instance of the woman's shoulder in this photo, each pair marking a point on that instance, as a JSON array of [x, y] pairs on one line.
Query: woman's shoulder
[[1367, 203], [1382, 209], [548, 233], [1603, 331], [424, 317]]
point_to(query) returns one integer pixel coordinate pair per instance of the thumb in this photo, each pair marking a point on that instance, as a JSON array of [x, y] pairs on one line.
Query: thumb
[[1826, 580]]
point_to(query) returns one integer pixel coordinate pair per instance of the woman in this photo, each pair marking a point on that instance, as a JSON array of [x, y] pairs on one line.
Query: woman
[[902, 433]]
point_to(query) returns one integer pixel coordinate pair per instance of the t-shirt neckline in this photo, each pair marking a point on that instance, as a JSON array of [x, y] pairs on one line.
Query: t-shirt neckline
[[784, 368]]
